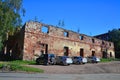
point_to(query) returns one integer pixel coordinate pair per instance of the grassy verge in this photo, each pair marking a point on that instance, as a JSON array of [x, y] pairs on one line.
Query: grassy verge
[[23, 62], [109, 59], [19, 66]]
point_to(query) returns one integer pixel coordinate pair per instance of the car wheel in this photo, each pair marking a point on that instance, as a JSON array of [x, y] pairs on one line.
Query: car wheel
[[53, 62], [38, 61], [77, 62], [83, 63], [68, 64], [93, 61], [65, 64]]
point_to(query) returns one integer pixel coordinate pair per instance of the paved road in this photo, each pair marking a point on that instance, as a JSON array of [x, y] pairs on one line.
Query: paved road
[[24, 76]]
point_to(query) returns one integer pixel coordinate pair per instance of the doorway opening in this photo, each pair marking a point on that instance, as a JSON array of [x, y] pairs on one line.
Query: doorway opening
[[93, 53], [104, 54], [111, 54], [82, 52], [66, 51], [46, 48]]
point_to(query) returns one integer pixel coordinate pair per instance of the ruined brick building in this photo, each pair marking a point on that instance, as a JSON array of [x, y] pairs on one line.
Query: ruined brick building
[[36, 38], [108, 37]]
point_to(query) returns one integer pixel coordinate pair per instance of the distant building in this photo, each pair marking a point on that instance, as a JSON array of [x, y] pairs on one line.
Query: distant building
[[107, 37], [36, 38], [104, 36]]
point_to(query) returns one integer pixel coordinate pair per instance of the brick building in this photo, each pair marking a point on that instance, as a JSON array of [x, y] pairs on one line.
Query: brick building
[[104, 36], [36, 38], [112, 36]]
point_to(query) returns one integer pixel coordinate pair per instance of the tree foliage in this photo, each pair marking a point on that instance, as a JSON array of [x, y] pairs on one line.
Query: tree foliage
[[10, 11], [114, 36]]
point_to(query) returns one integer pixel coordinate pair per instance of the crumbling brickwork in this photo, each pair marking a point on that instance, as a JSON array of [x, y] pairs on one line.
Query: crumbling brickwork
[[42, 38]]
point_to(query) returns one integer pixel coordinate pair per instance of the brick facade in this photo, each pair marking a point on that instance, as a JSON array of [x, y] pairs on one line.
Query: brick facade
[[36, 38], [42, 38]]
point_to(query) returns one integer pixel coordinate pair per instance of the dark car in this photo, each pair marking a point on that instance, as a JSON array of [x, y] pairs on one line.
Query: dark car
[[64, 60], [79, 60], [93, 59], [46, 59], [51, 59], [41, 59]]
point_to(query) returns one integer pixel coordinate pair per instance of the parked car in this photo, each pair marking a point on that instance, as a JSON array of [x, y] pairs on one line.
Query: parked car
[[40, 59], [84, 60], [46, 59], [93, 59], [51, 59], [79, 60], [64, 60]]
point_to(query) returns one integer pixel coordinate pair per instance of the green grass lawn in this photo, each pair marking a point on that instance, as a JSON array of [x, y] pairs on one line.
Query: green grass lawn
[[20, 65], [109, 59], [23, 62]]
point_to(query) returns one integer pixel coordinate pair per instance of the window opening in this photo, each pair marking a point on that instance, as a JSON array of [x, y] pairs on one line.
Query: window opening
[[103, 42], [81, 37], [93, 40], [66, 34], [109, 44], [45, 29]]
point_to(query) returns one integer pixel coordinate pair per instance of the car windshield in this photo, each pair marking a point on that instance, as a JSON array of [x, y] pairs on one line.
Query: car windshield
[[51, 55], [42, 55], [77, 57]]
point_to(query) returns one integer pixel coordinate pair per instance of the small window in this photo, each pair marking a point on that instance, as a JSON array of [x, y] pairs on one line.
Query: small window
[[42, 45], [45, 29], [103, 42], [81, 37], [66, 34], [93, 40], [109, 44]]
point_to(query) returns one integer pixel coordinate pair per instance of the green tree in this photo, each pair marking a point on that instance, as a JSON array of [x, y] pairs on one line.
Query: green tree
[[10, 11], [114, 36]]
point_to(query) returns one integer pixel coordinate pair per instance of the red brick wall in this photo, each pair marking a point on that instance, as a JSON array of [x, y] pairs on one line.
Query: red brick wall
[[35, 41]]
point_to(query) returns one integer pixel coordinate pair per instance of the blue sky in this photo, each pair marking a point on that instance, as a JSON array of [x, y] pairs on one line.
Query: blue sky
[[91, 17]]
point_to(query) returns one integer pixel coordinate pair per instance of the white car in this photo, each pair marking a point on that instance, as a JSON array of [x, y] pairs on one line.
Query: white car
[[64, 60], [79, 60], [98, 59], [93, 59], [84, 60]]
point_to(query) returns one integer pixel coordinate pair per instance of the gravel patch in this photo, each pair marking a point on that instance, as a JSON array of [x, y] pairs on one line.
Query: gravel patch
[[89, 68]]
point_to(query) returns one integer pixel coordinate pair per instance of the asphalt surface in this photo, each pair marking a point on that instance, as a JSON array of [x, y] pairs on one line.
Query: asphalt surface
[[25, 76]]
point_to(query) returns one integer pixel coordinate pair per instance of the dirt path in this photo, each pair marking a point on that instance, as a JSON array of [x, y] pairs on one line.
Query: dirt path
[[110, 67]]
